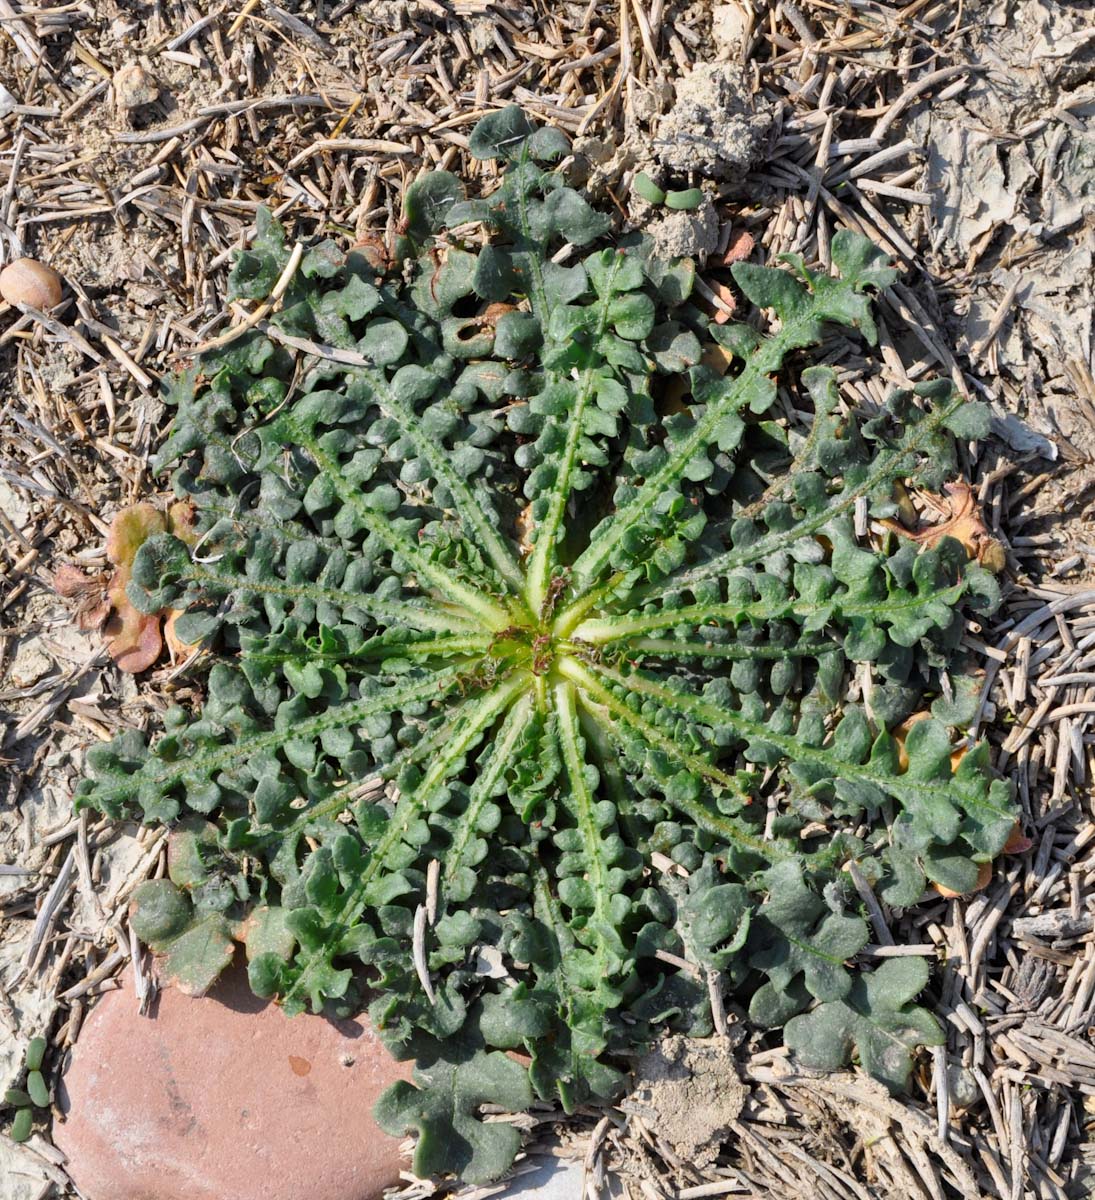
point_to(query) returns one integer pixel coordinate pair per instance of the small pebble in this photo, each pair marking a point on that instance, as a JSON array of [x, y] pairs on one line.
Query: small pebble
[[27, 281], [134, 87]]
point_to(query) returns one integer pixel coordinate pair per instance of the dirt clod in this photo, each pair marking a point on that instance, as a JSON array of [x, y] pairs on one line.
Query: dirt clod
[[683, 234], [716, 127], [691, 1093], [135, 87]]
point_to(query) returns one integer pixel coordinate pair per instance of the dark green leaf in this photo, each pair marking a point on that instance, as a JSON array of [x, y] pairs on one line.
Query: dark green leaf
[[442, 1107], [501, 134], [547, 681], [429, 201], [877, 1020]]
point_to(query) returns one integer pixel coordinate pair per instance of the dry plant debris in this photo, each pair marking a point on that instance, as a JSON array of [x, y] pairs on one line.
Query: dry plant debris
[[133, 639], [955, 136]]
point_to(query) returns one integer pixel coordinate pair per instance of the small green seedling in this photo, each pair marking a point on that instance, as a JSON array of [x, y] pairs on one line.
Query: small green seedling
[[36, 1086], [36, 1094], [645, 187], [682, 201]]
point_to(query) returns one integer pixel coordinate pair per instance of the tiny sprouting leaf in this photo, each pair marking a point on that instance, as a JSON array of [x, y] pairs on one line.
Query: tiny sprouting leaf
[[21, 1125], [647, 189], [37, 1090], [36, 1052], [688, 199], [551, 679]]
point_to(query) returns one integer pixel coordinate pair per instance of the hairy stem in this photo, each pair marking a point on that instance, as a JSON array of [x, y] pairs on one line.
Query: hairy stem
[[615, 628], [890, 464], [476, 519], [410, 807], [486, 611], [544, 552]]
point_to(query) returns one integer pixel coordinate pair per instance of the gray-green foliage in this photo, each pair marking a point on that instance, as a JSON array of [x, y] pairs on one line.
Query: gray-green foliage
[[494, 637], [36, 1094], [876, 1018]]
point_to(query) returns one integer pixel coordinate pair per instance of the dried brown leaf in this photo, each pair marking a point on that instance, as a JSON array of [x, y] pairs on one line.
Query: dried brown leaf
[[958, 516]]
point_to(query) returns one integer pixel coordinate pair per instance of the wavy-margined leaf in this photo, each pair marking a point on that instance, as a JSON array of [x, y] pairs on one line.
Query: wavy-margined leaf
[[196, 945], [796, 933], [550, 679], [876, 1020], [962, 809], [428, 201], [442, 1107]]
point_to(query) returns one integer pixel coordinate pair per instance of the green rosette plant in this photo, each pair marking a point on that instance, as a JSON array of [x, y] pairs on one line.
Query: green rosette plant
[[527, 686]]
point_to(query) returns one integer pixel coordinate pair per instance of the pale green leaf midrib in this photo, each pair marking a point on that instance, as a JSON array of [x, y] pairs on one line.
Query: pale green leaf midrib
[[433, 686], [906, 788], [884, 468], [412, 805], [486, 610]]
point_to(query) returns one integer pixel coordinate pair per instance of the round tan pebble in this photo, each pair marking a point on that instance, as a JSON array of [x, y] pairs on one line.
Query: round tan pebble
[[224, 1097], [134, 87], [27, 281]]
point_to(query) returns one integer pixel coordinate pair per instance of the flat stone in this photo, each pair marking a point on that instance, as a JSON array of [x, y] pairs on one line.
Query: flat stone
[[225, 1098]]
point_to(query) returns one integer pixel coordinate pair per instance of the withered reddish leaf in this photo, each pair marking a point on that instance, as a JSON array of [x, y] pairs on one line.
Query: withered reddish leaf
[[373, 248], [960, 518], [90, 592], [93, 616], [524, 530], [729, 300], [129, 530], [493, 313], [180, 522], [70, 581], [133, 638], [717, 357], [1018, 842]]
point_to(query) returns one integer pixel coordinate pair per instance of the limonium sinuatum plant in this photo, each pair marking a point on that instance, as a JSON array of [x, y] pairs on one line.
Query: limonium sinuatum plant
[[545, 700]]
